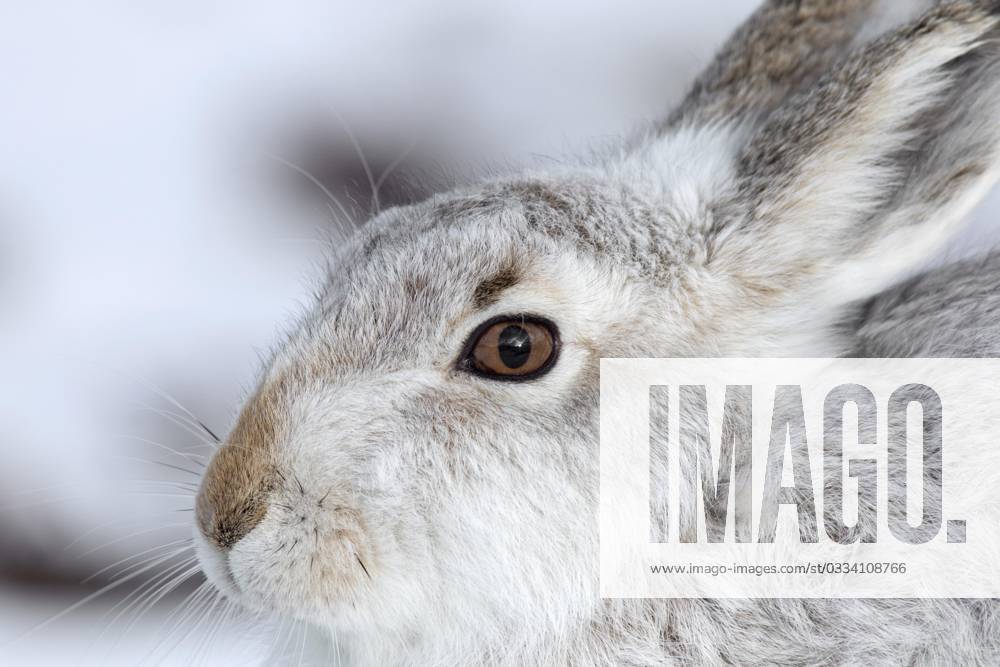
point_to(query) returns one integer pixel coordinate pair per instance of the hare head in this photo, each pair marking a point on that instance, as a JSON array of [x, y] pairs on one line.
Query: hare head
[[417, 469]]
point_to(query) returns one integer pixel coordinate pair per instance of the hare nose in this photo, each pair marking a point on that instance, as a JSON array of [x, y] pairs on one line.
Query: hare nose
[[240, 479], [234, 493]]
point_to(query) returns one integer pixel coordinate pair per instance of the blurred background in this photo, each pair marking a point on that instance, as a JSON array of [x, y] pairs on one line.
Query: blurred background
[[165, 179]]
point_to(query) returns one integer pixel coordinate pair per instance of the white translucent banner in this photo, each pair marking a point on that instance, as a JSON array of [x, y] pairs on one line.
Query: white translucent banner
[[835, 478]]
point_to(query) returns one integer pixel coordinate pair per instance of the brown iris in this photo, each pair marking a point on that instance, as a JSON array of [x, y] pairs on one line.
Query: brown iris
[[512, 348]]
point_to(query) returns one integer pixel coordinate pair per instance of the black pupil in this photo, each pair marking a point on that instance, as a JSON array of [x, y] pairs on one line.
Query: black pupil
[[514, 346]]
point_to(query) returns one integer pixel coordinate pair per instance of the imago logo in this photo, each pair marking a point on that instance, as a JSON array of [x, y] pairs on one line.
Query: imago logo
[[787, 445], [800, 478]]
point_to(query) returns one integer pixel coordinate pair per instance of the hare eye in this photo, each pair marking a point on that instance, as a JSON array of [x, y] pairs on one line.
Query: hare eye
[[512, 348]]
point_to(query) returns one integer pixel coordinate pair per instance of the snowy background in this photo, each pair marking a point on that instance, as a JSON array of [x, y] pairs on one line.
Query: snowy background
[[153, 239]]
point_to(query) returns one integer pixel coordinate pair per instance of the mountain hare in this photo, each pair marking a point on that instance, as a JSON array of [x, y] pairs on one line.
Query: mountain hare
[[417, 470]]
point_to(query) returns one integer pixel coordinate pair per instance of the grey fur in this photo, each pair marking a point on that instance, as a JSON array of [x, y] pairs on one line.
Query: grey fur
[[953, 311], [783, 192]]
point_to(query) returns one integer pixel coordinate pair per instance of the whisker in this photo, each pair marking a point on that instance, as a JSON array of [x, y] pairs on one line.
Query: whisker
[[203, 649], [302, 647], [42, 503], [190, 425], [213, 601], [96, 529], [347, 217], [179, 615], [194, 612], [155, 484], [176, 485], [362, 566], [70, 499], [140, 593], [209, 431], [161, 547], [139, 459], [395, 163], [44, 489], [376, 206], [332, 656], [87, 599], [173, 401], [152, 586], [292, 626], [178, 576], [193, 458], [157, 559], [229, 610], [152, 386], [73, 498], [122, 538]]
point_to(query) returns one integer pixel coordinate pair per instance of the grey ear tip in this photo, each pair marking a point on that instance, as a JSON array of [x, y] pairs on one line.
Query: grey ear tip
[[992, 7]]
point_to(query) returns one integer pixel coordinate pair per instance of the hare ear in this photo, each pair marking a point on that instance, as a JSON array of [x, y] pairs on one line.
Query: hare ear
[[784, 47], [860, 179]]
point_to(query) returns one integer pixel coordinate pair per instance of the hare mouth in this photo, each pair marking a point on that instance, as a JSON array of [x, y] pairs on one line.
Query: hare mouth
[[216, 568], [294, 562]]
